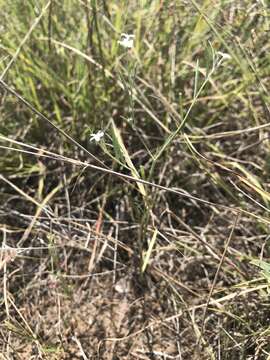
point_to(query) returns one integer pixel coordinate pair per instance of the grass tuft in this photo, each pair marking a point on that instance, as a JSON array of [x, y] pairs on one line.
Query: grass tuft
[[134, 179]]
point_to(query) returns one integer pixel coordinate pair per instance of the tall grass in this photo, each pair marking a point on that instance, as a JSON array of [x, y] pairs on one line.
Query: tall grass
[[170, 207]]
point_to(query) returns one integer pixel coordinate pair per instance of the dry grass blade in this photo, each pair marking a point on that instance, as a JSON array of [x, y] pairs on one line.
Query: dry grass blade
[[217, 274], [147, 255], [134, 169]]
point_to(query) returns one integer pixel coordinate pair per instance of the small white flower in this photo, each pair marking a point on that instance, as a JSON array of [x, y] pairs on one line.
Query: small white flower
[[127, 40], [97, 137], [219, 58], [224, 56]]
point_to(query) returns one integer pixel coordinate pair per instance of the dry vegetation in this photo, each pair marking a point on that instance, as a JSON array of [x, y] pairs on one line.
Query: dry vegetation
[[151, 241]]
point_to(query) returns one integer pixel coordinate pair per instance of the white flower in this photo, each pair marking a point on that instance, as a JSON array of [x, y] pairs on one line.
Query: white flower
[[219, 58], [224, 56], [127, 40], [97, 137]]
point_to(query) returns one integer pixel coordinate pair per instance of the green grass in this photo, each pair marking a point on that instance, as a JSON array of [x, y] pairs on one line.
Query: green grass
[[147, 243]]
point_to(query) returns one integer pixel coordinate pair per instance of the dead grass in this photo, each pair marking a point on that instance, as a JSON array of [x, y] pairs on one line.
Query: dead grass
[[143, 245]]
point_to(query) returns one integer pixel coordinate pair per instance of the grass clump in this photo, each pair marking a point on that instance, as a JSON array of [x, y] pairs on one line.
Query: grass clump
[[134, 180]]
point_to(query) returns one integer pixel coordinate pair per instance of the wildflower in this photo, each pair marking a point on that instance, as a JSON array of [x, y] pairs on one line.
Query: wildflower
[[127, 40], [97, 137], [223, 56]]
